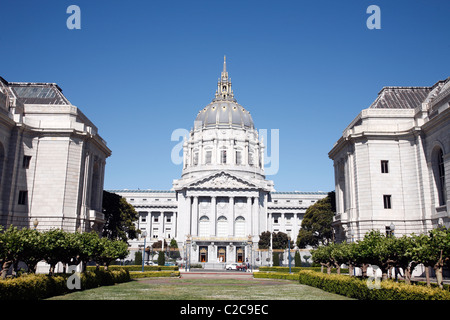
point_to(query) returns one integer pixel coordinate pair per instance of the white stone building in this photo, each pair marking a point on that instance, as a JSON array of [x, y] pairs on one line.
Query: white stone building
[[222, 201], [52, 160], [392, 164]]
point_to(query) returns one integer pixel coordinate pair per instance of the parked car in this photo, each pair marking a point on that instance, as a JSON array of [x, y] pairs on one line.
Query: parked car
[[241, 267], [232, 266]]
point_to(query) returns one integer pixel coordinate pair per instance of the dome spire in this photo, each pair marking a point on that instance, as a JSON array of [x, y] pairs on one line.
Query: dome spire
[[224, 91], [224, 72]]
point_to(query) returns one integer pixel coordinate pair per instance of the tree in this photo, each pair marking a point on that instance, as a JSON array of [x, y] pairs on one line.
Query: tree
[[111, 250], [316, 224], [120, 217], [138, 258], [174, 253], [10, 248], [280, 240], [439, 251], [55, 245], [297, 259], [322, 255], [87, 245], [401, 255], [161, 258], [276, 259], [264, 240]]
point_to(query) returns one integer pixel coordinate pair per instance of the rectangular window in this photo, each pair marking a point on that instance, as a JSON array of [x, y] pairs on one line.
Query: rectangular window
[[23, 197], [208, 157], [155, 219], [387, 201], [223, 156], [384, 166], [195, 158], [238, 158], [26, 162]]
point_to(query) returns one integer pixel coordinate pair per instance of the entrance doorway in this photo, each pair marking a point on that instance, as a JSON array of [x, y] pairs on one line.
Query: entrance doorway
[[203, 254], [222, 254], [239, 255]]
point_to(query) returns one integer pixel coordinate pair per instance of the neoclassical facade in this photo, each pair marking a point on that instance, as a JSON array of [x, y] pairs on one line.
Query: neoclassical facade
[[222, 202], [392, 164], [52, 160]]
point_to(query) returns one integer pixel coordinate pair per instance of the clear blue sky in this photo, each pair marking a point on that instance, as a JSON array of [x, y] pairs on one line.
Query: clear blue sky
[[141, 69]]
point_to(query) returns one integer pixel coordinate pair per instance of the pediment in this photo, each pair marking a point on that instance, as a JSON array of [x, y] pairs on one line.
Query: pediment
[[222, 180]]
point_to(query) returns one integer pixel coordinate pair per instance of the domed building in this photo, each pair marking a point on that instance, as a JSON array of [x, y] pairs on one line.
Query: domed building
[[223, 201]]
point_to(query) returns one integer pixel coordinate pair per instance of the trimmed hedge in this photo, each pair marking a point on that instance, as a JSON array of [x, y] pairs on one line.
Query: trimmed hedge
[[276, 275], [136, 268], [41, 286], [358, 289], [154, 274], [297, 269]]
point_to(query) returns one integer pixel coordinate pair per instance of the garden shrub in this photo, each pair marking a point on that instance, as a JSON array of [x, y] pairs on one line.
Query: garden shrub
[[297, 269], [137, 268], [357, 288], [41, 286], [152, 274], [276, 275]]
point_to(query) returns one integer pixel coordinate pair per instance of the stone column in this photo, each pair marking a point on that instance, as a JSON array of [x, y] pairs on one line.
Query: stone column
[[213, 216], [231, 216], [255, 218], [248, 218], [194, 217]]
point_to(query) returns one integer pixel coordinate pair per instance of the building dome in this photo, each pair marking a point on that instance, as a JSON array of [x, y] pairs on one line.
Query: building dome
[[223, 113]]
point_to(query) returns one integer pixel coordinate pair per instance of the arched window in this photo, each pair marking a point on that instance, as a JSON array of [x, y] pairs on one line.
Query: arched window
[[439, 176], [204, 227], [222, 227], [239, 227]]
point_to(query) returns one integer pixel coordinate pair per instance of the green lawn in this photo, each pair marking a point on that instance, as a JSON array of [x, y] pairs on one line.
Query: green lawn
[[203, 289]]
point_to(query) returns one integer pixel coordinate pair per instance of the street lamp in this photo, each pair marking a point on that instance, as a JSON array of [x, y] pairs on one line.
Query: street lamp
[[351, 233], [250, 244], [289, 253], [35, 223], [392, 228], [188, 243], [143, 234]]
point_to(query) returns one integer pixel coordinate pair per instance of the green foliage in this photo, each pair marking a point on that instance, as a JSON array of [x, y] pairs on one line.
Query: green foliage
[[280, 240], [295, 269], [56, 245], [154, 274], [40, 286], [297, 259], [161, 258], [316, 224], [138, 258], [276, 259], [131, 268], [276, 275], [120, 218], [357, 288]]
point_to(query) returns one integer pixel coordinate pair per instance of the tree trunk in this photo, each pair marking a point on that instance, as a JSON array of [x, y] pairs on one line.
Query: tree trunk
[[350, 270], [438, 271], [364, 270], [5, 269], [427, 275], [407, 273]]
